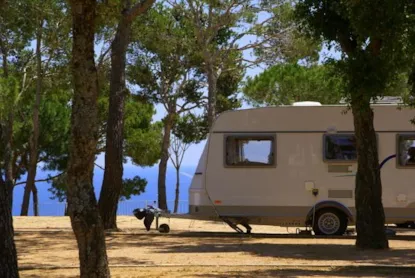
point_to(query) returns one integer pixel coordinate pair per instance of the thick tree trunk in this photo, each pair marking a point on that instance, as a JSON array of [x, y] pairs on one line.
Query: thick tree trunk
[[112, 183], [370, 217], [212, 85], [34, 138], [162, 197], [176, 199], [35, 201], [7, 134], [83, 211], [411, 82], [8, 256], [8, 156]]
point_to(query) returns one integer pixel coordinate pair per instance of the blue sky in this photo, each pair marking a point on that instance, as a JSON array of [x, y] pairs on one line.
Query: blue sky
[[192, 155]]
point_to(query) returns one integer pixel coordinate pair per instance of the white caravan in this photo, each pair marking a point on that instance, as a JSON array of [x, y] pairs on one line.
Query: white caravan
[[295, 166]]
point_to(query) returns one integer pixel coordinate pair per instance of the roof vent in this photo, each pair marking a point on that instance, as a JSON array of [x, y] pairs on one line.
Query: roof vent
[[307, 103]]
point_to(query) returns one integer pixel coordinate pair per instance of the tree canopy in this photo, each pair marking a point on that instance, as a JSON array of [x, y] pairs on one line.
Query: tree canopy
[[288, 83]]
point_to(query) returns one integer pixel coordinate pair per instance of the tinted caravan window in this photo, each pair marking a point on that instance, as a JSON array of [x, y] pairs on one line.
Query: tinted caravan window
[[340, 147], [406, 150], [243, 150]]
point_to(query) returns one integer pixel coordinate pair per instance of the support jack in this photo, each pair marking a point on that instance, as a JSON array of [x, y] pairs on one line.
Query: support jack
[[235, 226]]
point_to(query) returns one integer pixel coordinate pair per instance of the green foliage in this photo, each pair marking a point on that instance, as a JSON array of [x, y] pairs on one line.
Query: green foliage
[[131, 187], [288, 83], [58, 188], [142, 137], [19, 23], [191, 128], [54, 132], [228, 85], [218, 29], [17, 28], [373, 54], [9, 94], [286, 43], [410, 97], [54, 128], [161, 60]]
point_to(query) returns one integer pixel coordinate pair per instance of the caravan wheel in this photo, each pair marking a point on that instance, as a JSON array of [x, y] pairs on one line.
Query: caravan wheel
[[330, 222]]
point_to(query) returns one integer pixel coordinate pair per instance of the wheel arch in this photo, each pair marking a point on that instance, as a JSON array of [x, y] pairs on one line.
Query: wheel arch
[[329, 204]]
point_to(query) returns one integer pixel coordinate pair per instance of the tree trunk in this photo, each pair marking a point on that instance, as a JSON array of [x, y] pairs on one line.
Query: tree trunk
[[112, 182], [411, 82], [7, 134], [66, 210], [35, 201], [83, 211], [176, 199], [34, 138], [162, 198], [370, 217], [212, 84], [8, 254], [4, 53], [8, 157]]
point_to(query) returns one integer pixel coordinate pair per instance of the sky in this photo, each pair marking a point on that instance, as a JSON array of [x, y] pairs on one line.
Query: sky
[[192, 155]]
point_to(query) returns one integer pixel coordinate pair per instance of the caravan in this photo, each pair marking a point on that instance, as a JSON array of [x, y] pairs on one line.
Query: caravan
[[295, 166]]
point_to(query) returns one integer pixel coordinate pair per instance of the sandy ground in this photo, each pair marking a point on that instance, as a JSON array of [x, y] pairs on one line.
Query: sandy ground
[[47, 248]]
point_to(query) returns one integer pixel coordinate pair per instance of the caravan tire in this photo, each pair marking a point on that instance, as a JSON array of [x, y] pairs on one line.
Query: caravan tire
[[330, 222]]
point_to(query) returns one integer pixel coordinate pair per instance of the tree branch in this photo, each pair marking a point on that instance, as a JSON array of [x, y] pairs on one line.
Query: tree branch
[[42, 180], [183, 109], [185, 147], [138, 9], [223, 19], [102, 56], [99, 166]]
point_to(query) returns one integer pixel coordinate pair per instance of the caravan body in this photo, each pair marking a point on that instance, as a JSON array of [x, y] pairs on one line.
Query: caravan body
[[296, 165]]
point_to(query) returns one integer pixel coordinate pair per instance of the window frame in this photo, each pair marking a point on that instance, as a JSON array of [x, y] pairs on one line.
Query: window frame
[[252, 136], [397, 143], [325, 135]]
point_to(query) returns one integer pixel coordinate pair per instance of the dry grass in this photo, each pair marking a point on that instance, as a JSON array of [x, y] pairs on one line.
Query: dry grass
[[47, 248]]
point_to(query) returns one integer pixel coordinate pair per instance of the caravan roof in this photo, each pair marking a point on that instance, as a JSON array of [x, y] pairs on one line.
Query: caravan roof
[[310, 119]]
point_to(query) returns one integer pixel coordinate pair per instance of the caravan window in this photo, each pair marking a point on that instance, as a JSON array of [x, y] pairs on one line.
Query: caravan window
[[340, 147], [406, 150], [245, 150]]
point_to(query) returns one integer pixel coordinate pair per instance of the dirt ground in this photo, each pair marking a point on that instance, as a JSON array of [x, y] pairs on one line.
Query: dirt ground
[[47, 248]]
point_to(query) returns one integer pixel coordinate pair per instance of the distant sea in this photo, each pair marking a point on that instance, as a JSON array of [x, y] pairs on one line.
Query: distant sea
[[49, 207]]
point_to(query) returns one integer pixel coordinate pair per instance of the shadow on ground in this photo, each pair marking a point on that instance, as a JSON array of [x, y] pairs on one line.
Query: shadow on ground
[[222, 272], [347, 271], [314, 252], [300, 251]]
